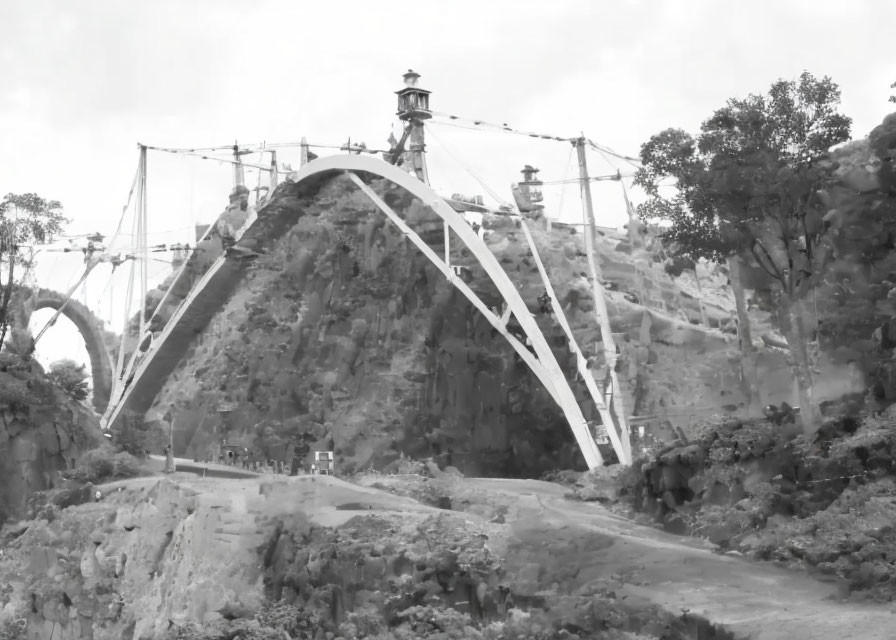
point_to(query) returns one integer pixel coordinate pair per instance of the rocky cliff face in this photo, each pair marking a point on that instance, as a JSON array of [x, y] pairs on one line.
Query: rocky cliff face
[[41, 434], [347, 337]]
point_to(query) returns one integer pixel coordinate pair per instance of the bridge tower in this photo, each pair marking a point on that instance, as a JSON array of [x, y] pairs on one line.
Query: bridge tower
[[413, 109]]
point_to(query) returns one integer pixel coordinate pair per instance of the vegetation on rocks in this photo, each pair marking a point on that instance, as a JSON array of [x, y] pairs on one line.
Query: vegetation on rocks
[[826, 502], [104, 464], [71, 377], [364, 580]]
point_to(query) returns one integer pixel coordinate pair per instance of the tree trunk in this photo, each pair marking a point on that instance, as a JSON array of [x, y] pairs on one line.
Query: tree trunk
[[810, 414], [749, 374], [7, 293]]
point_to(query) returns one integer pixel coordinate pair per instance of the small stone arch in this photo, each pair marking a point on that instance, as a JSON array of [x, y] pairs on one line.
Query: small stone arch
[[89, 326]]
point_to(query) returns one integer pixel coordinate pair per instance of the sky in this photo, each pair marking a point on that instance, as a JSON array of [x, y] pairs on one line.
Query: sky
[[81, 83]]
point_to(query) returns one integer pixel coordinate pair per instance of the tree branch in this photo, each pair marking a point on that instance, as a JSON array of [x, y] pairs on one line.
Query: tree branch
[[776, 274]]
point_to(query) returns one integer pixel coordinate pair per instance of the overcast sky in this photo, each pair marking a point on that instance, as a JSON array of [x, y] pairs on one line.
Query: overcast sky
[[82, 82]]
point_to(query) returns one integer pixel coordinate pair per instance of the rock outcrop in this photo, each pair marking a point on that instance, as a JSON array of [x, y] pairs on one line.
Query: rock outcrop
[[41, 434], [313, 557]]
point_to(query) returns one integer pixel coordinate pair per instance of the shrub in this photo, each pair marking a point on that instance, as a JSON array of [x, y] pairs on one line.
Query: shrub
[[11, 629], [103, 464], [71, 378]]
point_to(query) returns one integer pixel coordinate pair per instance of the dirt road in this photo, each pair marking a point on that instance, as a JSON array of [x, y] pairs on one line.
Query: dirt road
[[761, 601]]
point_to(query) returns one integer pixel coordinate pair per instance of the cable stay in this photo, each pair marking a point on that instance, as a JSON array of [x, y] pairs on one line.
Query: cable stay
[[501, 201], [603, 149], [119, 381], [68, 298]]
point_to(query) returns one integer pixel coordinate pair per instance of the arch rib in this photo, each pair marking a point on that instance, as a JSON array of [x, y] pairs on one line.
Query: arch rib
[[581, 365], [545, 366], [224, 274]]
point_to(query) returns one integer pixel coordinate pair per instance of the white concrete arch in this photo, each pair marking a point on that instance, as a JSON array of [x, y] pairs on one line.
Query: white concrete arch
[[225, 273]]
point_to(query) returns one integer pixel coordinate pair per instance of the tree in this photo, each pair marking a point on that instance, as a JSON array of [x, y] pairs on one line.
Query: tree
[[133, 435], [748, 187], [71, 377], [25, 219]]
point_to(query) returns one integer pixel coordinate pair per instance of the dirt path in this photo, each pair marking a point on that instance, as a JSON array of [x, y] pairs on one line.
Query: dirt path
[[755, 599]]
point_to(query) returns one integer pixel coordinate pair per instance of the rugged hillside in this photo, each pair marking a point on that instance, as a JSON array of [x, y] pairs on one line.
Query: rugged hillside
[[346, 336]]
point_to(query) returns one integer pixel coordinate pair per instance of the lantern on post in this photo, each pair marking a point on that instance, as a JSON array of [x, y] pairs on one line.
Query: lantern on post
[[531, 185], [527, 192]]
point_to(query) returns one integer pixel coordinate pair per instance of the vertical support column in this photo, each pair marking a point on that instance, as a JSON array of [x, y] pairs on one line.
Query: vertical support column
[[417, 150], [304, 155], [258, 189], [143, 245], [447, 246], [600, 305], [239, 177], [275, 176]]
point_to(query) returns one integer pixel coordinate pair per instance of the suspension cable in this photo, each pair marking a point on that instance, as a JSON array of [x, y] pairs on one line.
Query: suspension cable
[[481, 124], [127, 205]]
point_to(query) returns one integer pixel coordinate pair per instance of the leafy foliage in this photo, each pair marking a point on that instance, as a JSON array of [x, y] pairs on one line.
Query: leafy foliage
[[103, 464], [71, 377], [24, 219], [134, 436], [749, 181], [13, 629]]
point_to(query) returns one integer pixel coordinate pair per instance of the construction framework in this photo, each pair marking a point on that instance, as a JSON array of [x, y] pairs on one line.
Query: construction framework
[[540, 359]]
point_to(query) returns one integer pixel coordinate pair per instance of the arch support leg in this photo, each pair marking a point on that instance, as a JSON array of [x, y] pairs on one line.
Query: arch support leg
[[550, 376]]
